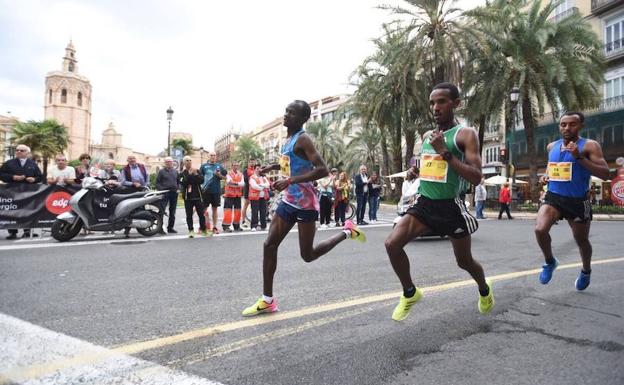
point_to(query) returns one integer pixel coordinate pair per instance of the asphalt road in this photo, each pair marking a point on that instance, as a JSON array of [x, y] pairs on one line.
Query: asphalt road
[[167, 310]]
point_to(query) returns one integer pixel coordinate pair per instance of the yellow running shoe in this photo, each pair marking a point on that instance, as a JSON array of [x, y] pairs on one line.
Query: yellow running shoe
[[261, 307], [405, 304], [356, 233], [486, 303]]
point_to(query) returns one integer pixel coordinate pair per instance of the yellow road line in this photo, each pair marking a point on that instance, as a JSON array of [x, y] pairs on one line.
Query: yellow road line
[[252, 341], [137, 347], [282, 316]]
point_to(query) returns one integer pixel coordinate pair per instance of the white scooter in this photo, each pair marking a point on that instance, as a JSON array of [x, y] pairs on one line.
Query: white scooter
[[96, 209]]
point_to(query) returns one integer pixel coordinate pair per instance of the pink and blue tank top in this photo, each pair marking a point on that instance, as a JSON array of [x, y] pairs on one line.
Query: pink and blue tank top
[[299, 195]]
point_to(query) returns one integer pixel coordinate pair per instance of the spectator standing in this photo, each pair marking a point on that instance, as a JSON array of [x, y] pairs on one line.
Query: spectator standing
[[61, 174], [361, 194], [167, 180], [84, 169], [109, 174], [342, 188], [326, 197], [20, 169], [374, 191], [504, 198], [234, 184], [251, 166], [212, 172], [190, 186], [480, 197], [258, 196], [410, 187], [134, 176]]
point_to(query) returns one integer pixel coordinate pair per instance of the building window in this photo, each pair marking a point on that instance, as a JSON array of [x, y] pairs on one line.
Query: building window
[[613, 88], [607, 136], [80, 99], [64, 96], [618, 134], [613, 35], [50, 96], [541, 145], [563, 6]]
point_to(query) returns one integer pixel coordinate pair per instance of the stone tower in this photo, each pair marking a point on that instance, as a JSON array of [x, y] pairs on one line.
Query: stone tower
[[68, 101]]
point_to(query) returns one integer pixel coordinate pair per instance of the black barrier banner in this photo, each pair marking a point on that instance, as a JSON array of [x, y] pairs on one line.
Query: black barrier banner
[[25, 205]]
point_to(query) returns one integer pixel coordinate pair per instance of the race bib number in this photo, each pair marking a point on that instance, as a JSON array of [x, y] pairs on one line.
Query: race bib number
[[560, 171], [433, 168], [284, 163]]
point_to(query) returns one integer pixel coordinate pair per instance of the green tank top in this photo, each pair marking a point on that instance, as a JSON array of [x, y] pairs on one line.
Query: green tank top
[[437, 179]]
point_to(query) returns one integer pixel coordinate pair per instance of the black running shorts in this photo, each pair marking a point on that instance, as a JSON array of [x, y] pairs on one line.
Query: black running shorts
[[573, 209], [212, 199], [444, 216]]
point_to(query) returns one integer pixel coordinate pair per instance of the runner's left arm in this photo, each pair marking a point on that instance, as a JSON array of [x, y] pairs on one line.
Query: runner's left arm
[[305, 149], [470, 170], [320, 170], [593, 160]]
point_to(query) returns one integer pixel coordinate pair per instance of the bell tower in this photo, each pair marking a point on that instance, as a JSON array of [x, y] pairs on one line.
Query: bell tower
[[68, 101]]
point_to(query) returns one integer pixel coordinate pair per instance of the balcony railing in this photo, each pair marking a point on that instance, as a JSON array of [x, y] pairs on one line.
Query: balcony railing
[[613, 48], [560, 16], [599, 6], [606, 105]]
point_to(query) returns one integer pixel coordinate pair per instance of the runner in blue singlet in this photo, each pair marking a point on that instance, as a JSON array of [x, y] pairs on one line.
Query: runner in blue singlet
[[571, 162]]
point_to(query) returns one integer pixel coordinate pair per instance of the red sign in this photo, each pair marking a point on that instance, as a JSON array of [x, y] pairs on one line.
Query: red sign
[[617, 188], [58, 202]]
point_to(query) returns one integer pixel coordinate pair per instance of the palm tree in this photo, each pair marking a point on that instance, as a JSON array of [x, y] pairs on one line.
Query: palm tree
[[392, 92], [559, 64], [364, 147], [247, 148], [436, 31], [328, 141], [185, 145], [45, 139]]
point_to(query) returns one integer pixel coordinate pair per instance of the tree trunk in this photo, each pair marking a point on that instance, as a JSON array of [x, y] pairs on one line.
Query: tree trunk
[[384, 154], [397, 156], [45, 169], [410, 140], [482, 125], [529, 127]]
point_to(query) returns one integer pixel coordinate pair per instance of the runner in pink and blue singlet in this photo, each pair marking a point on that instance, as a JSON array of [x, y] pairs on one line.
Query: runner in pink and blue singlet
[[300, 164], [301, 196]]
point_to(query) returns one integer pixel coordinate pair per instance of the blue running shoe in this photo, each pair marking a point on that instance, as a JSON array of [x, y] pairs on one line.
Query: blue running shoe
[[582, 281], [547, 271]]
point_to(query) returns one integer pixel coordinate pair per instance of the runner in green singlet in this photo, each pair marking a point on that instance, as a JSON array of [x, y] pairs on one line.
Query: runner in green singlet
[[450, 158]]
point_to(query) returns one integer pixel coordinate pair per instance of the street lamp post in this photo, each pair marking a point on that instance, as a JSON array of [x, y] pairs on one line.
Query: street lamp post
[[201, 155], [169, 116], [513, 97]]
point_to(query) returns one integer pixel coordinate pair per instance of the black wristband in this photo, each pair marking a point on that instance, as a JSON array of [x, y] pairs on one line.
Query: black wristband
[[447, 156], [579, 158]]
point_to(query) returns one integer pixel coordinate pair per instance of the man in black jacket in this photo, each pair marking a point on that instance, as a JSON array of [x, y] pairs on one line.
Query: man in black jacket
[[167, 180], [190, 187], [361, 193], [20, 169]]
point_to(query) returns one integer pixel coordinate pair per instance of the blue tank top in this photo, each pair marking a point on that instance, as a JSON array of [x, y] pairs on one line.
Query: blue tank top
[[566, 176], [299, 195]]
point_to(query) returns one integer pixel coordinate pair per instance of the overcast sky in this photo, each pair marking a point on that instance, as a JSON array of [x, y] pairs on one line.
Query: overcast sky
[[218, 64]]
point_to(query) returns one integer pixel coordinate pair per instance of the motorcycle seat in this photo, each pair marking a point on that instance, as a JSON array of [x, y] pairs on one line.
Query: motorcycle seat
[[116, 198]]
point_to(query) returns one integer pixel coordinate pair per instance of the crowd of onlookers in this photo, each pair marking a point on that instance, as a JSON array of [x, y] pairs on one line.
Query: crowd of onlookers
[[203, 189]]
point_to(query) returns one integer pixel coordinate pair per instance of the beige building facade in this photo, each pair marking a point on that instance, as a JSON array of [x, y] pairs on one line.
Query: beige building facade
[[68, 101], [7, 123]]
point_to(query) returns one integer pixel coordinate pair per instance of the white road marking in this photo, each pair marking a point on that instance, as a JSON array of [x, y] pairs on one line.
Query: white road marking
[[86, 242], [23, 345]]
